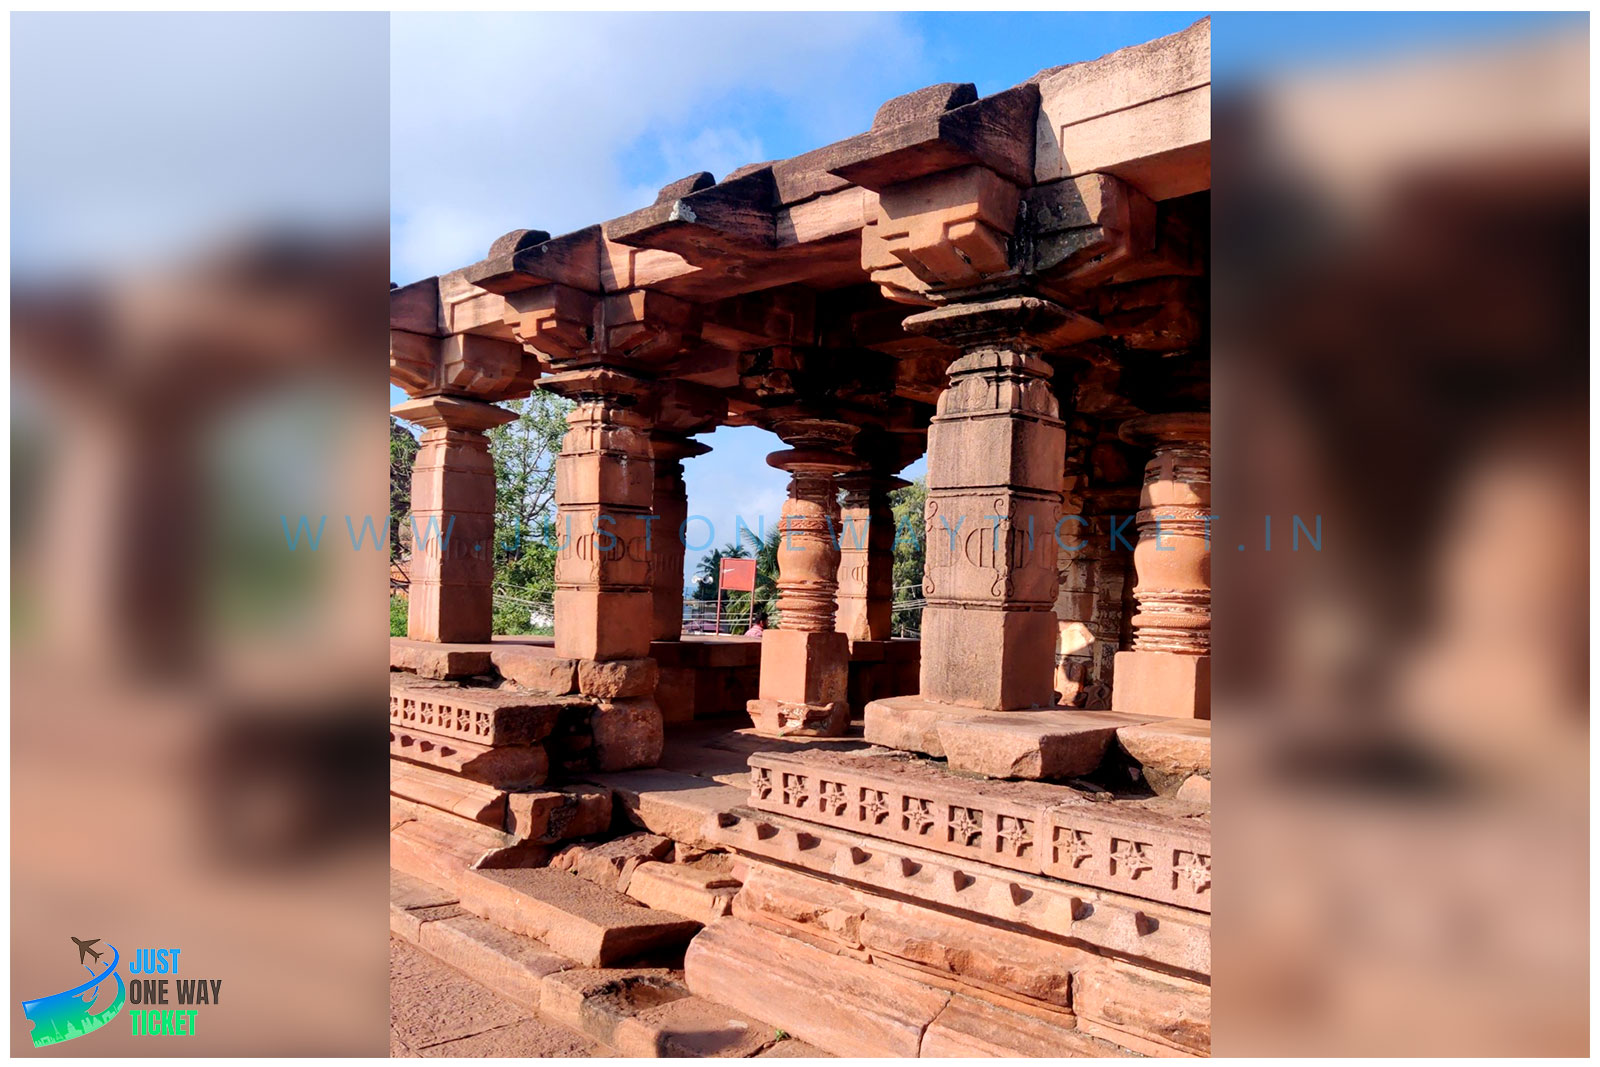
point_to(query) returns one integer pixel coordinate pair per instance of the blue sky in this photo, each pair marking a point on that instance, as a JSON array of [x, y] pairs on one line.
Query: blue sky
[[558, 121]]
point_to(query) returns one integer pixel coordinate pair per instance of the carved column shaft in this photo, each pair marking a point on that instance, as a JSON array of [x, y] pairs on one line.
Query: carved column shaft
[[452, 509], [866, 556], [805, 662], [995, 458], [605, 488], [1168, 670]]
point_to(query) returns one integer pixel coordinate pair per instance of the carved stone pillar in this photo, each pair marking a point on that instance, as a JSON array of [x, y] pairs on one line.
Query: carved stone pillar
[[452, 511], [670, 508], [605, 488], [1168, 670], [805, 662], [1074, 575], [995, 457], [866, 556]]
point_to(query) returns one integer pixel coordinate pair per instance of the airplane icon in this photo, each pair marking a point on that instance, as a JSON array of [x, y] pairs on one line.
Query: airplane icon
[[86, 948]]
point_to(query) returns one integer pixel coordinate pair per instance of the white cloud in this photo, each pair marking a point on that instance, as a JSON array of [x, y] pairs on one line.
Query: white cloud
[[557, 121]]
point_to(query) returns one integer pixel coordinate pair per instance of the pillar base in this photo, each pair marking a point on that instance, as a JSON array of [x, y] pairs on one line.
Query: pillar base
[[1167, 684], [784, 718]]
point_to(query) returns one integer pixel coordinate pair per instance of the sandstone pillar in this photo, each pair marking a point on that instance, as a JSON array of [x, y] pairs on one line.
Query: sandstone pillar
[[866, 556], [805, 661], [1168, 670], [452, 510], [670, 508], [995, 460], [1074, 575]]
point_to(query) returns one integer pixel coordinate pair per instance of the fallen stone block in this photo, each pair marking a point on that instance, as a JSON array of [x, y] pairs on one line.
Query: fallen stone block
[[703, 891], [559, 815], [814, 910], [611, 863], [1060, 743], [437, 847], [510, 964], [613, 679], [650, 1013], [911, 723], [1196, 789], [672, 804], [576, 918], [1169, 751], [536, 668], [431, 659], [842, 1005]]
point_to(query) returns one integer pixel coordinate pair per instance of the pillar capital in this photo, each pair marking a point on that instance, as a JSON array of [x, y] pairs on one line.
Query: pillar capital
[[452, 413], [1017, 323]]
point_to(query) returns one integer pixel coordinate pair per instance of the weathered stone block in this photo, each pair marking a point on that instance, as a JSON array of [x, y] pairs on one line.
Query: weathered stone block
[[1060, 743], [846, 1007], [536, 668], [627, 734], [1162, 684], [611, 679], [1172, 1011]]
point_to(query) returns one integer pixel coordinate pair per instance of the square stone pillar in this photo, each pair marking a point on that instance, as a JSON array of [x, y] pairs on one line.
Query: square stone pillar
[[1168, 670], [805, 662], [670, 508], [452, 512], [866, 556], [995, 461], [605, 489]]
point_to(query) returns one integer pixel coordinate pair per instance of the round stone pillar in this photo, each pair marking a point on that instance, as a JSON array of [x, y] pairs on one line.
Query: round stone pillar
[[1168, 669], [805, 661], [866, 555], [670, 509]]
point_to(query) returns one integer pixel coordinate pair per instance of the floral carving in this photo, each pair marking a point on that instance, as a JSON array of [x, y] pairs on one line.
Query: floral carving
[[1130, 855], [1014, 834], [966, 826], [1193, 869], [874, 806], [1072, 846], [916, 815]]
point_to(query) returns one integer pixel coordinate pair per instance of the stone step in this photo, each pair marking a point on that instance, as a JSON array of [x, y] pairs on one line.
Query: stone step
[[448, 792], [1170, 751], [670, 803], [1055, 744], [588, 923], [481, 715], [505, 767], [1172, 937], [699, 889], [1154, 849], [650, 1013], [431, 918], [559, 815], [843, 1006], [439, 847]]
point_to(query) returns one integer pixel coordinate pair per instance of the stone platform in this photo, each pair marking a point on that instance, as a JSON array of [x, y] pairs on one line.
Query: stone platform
[[864, 900]]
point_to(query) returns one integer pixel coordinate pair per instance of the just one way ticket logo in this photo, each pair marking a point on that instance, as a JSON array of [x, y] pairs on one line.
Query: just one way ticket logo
[[169, 1002]]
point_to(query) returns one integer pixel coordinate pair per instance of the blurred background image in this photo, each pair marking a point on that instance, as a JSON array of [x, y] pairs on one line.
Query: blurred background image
[[1401, 233], [199, 271]]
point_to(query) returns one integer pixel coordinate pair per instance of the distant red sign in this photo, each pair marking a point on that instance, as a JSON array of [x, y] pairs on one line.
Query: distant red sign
[[739, 575]]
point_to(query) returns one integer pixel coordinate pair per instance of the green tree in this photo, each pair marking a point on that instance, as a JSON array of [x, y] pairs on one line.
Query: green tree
[[527, 534], [910, 505], [402, 457]]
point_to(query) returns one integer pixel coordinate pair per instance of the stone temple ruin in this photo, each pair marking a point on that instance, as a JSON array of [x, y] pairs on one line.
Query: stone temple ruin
[[991, 841]]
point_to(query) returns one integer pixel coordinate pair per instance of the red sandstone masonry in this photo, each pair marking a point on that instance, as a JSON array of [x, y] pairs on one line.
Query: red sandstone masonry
[[484, 716], [1024, 826]]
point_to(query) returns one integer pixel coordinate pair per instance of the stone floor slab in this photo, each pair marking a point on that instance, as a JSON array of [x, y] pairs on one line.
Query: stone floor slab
[[1169, 750], [1058, 743]]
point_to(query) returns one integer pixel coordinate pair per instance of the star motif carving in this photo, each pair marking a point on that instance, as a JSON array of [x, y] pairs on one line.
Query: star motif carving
[[1131, 855], [966, 825], [1074, 846], [874, 808], [761, 780], [797, 791], [917, 816], [1015, 834], [1196, 870], [833, 797]]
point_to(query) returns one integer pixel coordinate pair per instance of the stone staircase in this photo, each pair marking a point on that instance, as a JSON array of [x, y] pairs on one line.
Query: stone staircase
[[754, 896]]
